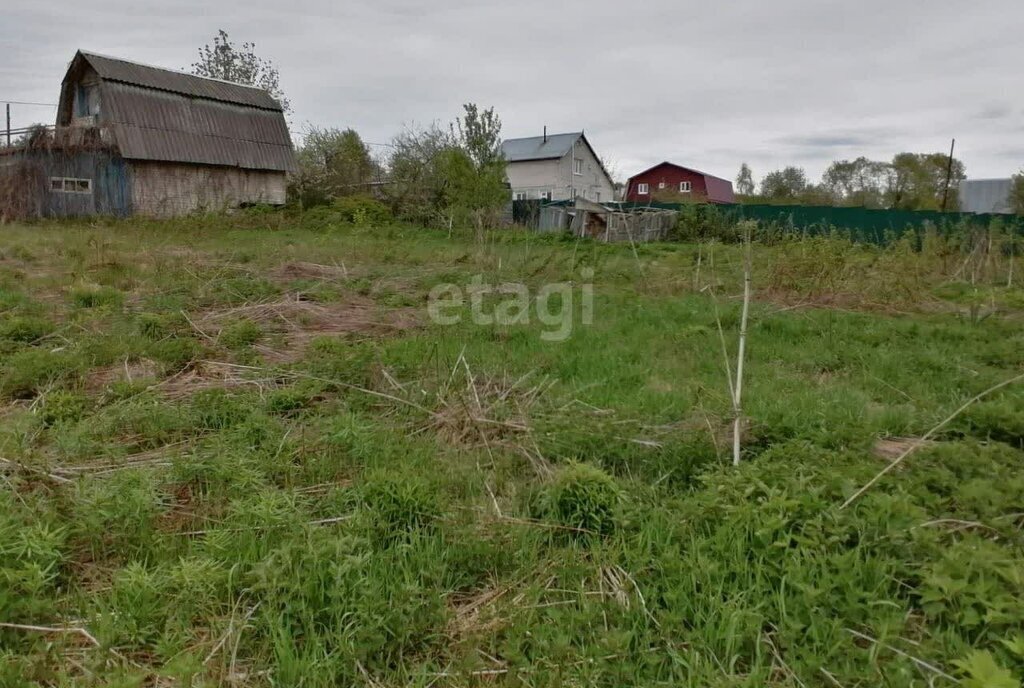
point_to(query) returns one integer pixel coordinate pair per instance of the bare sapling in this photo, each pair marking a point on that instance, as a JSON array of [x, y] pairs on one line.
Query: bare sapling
[[1009, 274], [737, 395]]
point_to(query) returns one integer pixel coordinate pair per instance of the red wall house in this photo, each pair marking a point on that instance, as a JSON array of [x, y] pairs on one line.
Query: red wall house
[[668, 182]]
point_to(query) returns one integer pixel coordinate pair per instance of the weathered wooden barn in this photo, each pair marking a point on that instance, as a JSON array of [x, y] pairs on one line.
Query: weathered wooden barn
[[135, 139]]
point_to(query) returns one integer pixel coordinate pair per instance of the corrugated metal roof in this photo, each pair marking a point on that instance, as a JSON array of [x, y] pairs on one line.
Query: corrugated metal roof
[[555, 146], [985, 195], [161, 115], [115, 69]]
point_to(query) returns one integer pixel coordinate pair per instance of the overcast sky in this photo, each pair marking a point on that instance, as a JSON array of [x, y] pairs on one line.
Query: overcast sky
[[708, 85]]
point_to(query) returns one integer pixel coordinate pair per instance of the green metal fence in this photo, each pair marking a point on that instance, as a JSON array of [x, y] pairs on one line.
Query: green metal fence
[[859, 224]]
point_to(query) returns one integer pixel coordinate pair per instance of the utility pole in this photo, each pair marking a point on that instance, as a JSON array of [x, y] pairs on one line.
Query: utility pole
[[949, 173], [8, 125]]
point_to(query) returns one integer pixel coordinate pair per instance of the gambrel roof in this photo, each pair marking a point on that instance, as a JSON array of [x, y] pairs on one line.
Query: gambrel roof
[[164, 115]]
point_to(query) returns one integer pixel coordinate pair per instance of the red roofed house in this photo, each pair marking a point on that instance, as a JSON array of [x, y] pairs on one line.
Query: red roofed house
[[667, 182]]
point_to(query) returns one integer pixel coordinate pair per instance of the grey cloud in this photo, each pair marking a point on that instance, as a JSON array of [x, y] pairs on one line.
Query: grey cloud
[[793, 81], [995, 111], [827, 140]]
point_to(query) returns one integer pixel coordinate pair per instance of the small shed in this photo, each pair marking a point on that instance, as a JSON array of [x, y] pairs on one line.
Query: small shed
[[133, 138]]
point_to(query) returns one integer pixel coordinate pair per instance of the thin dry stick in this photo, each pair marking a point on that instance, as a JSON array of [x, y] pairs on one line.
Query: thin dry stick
[[928, 435], [919, 662], [53, 629], [31, 469], [696, 274], [1009, 276], [738, 394], [832, 679]]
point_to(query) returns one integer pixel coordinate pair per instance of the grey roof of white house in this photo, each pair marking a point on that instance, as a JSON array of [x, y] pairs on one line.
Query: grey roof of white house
[[553, 147], [985, 195]]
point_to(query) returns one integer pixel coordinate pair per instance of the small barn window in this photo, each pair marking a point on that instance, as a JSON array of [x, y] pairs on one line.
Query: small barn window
[[577, 167], [545, 195], [642, 189], [685, 187], [661, 185], [70, 185]]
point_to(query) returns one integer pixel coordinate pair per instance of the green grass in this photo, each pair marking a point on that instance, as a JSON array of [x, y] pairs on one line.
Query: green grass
[[236, 451]]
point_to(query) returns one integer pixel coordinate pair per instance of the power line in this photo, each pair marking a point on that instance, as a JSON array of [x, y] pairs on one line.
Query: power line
[[23, 102]]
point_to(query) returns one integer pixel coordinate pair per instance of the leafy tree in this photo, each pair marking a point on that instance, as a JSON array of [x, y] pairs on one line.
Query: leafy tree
[[478, 189], [416, 185], [334, 163], [745, 181], [1017, 193], [239, 64], [444, 177], [478, 132], [918, 181], [816, 194], [859, 182], [785, 185]]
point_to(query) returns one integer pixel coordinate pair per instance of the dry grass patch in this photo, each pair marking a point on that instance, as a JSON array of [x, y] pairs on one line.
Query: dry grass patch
[[298, 321], [304, 270], [479, 411], [203, 375], [143, 370], [891, 448]]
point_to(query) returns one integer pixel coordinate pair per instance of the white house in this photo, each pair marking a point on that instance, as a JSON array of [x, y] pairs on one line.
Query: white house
[[985, 196], [558, 167]]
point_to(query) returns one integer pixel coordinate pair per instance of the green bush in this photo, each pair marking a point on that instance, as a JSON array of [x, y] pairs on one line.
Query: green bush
[[240, 290], [96, 297], [398, 506], [157, 326], [704, 221], [32, 553], [25, 329], [61, 406], [580, 497], [362, 211], [997, 419], [216, 409], [26, 373], [287, 401], [175, 353], [240, 334]]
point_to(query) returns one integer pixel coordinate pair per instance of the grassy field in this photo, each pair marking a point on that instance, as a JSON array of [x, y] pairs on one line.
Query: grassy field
[[238, 452]]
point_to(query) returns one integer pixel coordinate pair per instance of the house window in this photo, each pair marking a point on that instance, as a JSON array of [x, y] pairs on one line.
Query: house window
[[577, 166], [86, 101], [597, 196], [70, 185], [518, 196], [643, 189], [545, 195], [685, 187], [572, 193]]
